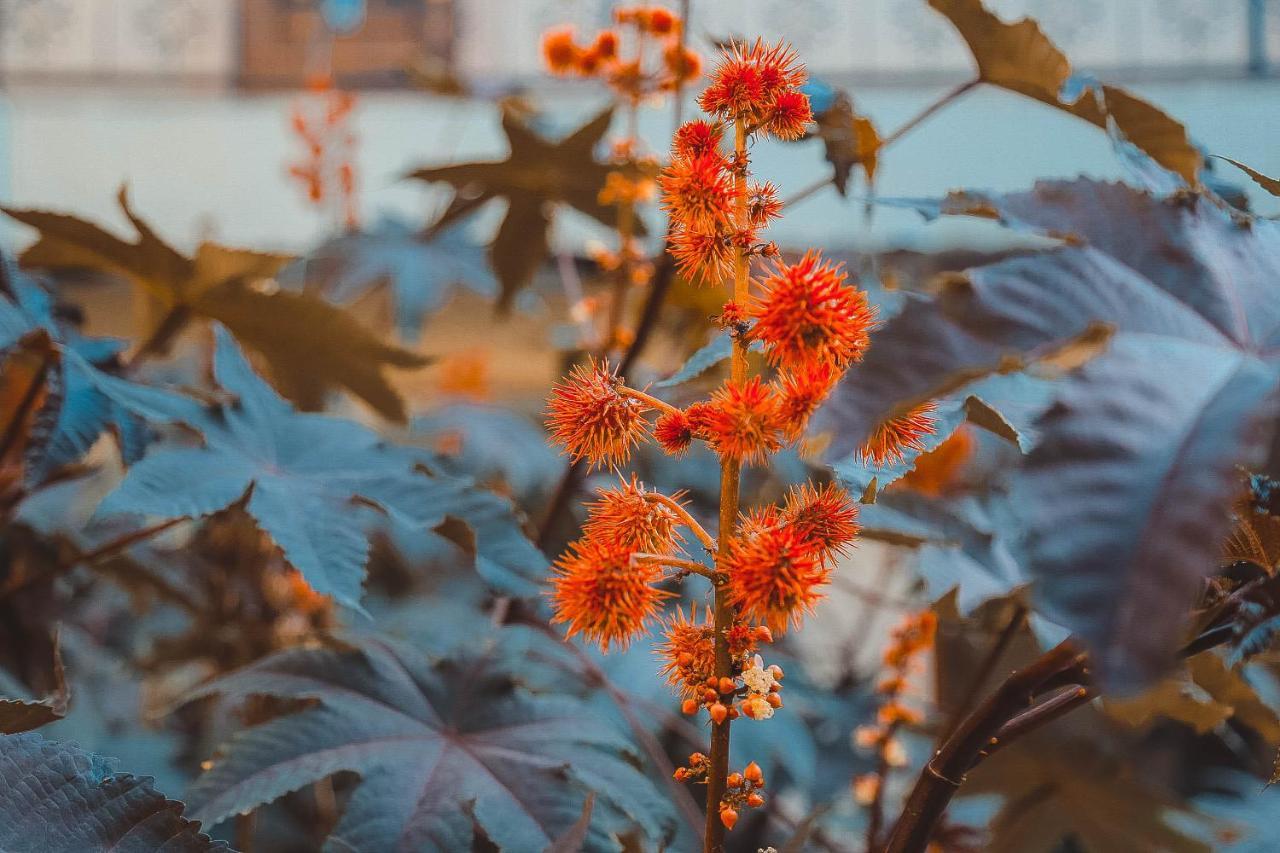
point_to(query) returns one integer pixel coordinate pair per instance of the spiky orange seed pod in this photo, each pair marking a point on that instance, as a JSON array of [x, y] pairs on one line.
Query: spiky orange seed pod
[[697, 138], [688, 653], [742, 421], [698, 192], [826, 515], [559, 50], [674, 433], [626, 517], [807, 313], [791, 115], [701, 256], [894, 437], [803, 390], [775, 577], [591, 419], [599, 593]]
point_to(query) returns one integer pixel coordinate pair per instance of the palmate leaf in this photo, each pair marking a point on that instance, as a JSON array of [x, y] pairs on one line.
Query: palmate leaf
[[536, 174], [57, 798], [309, 481], [85, 412], [446, 752], [422, 271], [1125, 500], [1021, 58], [311, 346]]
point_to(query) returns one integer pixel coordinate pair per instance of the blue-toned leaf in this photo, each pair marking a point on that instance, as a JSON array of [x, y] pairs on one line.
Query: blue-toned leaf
[[312, 483], [719, 349], [85, 412], [1124, 497], [496, 446], [476, 752], [423, 272], [58, 798]]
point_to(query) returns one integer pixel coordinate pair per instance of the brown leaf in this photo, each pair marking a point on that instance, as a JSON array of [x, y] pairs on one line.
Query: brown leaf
[[1019, 57], [21, 715], [535, 174], [1174, 699], [310, 346], [1271, 185], [25, 376], [850, 140]]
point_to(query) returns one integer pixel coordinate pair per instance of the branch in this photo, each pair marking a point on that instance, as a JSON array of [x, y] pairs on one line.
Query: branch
[[685, 518], [944, 773], [676, 563]]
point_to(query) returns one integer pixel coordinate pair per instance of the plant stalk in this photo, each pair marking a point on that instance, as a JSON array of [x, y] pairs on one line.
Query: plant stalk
[[730, 480]]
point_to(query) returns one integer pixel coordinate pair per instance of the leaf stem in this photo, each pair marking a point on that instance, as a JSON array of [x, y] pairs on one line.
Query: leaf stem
[[675, 563], [107, 549], [906, 128], [915, 121], [685, 518], [652, 402]]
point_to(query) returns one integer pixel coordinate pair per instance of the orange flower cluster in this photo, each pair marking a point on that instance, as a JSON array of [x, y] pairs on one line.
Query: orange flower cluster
[[603, 57], [320, 119], [910, 639], [743, 789], [688, 654]]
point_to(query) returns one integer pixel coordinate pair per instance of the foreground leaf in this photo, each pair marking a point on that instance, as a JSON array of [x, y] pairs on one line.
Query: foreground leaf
[[27, 370], [311, 346], [59, 799], [1126, 498], [311, 483], [479, 755], [1021, 58]]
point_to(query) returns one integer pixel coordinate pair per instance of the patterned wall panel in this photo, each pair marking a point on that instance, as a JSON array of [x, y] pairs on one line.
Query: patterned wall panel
[[895, 37], [104, 39]]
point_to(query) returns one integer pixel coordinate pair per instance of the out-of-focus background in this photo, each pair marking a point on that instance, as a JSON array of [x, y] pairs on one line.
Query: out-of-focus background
[[188, 100]]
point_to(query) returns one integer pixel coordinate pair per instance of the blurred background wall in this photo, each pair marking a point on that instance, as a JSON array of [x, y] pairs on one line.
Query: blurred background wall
[[188, 100]]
